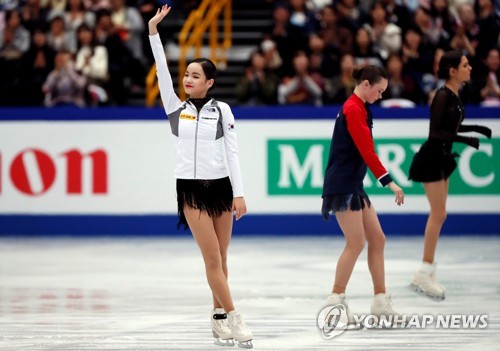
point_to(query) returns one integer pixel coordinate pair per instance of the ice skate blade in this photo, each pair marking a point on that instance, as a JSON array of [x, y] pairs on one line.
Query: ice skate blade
[[422, 292], [223, 342], [245, 344]]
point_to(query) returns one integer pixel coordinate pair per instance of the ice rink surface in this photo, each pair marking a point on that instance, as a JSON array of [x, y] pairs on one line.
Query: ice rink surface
[[151, 294]]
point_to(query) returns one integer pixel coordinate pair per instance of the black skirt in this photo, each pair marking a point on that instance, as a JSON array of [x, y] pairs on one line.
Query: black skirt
[[434, 161], [213, 196], [343, 202]]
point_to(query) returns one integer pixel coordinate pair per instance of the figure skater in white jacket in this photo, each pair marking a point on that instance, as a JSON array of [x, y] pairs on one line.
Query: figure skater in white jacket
[[206, 196]]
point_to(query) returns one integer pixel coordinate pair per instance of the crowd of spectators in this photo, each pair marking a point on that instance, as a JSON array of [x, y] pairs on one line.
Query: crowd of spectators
[[75, 52], [95, 52], [317, 43]]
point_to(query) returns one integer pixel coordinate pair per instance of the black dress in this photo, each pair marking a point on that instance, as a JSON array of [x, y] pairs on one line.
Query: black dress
[[435, 160]]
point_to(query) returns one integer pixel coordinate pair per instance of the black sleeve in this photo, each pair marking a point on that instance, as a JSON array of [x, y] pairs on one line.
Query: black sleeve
[[439, 108], [475, 128]]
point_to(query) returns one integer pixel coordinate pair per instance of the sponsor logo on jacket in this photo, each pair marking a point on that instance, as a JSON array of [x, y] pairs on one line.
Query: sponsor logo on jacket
[[187, 116]]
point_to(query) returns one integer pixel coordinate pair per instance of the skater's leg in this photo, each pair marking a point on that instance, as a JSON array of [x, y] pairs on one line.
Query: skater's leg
[[223, 228], [437, 193], [382, 302], [424, 280], [351, 223], [376, 243], [202, 227]]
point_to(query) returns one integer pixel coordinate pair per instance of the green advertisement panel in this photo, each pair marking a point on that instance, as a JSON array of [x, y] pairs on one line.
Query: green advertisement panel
[[296, 166]]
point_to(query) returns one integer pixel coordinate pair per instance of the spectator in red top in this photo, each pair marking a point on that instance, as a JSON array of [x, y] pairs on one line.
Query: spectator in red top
[[352, 151]]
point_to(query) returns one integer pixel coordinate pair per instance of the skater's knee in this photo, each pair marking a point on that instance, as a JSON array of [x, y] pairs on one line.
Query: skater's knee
[[439, 215], [356, 246], [223, 257], [377, 240], [213, 261]]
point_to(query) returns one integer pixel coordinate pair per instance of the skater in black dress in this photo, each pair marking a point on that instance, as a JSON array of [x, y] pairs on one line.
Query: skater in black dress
[[435, 162]]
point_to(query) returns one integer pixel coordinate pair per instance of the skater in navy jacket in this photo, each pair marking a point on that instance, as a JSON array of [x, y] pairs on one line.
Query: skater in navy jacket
[[351, 153]]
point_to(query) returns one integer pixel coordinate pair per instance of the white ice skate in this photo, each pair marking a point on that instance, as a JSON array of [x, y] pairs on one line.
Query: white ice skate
[[425, 282], [383, 308], [239, 330], [340, 299], [220, 328]]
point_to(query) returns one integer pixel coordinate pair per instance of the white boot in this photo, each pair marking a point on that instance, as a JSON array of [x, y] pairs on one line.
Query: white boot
[[383, 308], [239, 330], [425, 282], [382, 305], [220, 328], [340, 299]]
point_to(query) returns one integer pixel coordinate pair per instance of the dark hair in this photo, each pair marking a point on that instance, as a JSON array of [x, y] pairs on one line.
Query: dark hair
[[82, 6], [450, 59], [208, 67], [102, 13], [376, 4], [85, 27], [416, 29], [10, 13], [255, 52], [373, 74]]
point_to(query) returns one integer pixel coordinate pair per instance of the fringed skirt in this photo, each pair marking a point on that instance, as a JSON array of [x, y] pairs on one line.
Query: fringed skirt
[[213, 196], [343, 202], [434, 161]]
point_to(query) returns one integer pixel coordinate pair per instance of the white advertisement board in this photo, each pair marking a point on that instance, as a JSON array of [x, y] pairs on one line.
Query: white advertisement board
[[126, 167]]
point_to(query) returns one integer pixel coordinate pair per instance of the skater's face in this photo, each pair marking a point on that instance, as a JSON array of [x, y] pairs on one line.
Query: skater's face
[[462, 72], [373, 92], [195, 81]]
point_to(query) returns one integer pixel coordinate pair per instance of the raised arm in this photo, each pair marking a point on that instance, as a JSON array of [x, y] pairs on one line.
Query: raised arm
[[171, 101]]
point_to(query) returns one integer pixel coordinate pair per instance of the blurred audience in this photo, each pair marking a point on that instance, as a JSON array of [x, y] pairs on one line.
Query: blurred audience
[[489, 80], [64, 86], [259, 85], [304, 56], [37, 64], [303, 87]]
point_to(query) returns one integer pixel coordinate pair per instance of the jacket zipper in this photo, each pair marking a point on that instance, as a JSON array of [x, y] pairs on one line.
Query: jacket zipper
[[196, 140]]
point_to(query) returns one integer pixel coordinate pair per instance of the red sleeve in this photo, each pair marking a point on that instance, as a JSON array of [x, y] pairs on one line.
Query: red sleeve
[[360, 133]]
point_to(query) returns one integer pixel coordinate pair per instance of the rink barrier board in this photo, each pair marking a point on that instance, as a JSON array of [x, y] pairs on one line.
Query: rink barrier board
[[258, 224], [254, 225]]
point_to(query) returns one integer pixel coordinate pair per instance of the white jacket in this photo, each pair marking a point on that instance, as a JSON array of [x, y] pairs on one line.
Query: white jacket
[[198, 137]]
